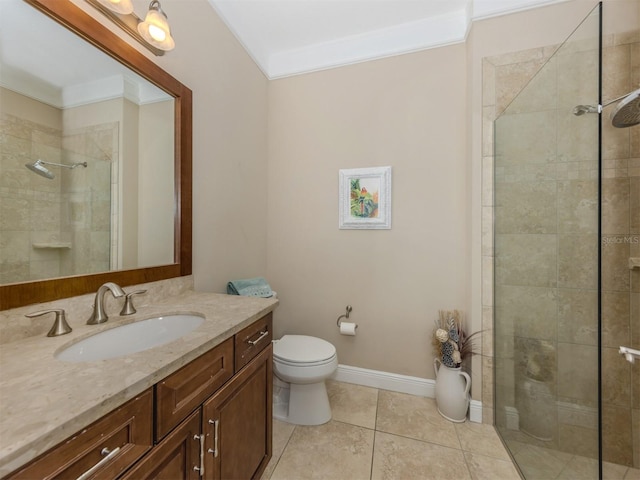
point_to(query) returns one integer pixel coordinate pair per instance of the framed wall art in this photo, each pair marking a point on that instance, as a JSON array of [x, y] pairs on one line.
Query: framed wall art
[[365, 198]]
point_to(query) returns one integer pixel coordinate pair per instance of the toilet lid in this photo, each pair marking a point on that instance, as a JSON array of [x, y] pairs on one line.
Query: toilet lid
[[302, 349]]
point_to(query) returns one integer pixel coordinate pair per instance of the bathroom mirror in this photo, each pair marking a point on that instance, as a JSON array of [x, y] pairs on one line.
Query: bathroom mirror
[[179, 208]]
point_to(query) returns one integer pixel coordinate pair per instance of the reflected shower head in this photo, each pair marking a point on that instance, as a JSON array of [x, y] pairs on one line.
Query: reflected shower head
[[627, 112], [39, 167], [582, 109]]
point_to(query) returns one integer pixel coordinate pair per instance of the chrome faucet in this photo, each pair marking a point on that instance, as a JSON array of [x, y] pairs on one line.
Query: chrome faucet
[[60, 325], [99, 314]]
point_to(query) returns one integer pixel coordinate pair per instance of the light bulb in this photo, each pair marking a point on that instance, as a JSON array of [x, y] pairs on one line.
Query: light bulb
[[157, 33]]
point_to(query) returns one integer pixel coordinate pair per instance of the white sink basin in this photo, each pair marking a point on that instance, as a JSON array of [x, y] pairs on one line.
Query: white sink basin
[[130, 338]]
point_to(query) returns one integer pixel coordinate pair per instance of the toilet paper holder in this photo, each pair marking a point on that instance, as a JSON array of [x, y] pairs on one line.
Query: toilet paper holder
[[345, 315]]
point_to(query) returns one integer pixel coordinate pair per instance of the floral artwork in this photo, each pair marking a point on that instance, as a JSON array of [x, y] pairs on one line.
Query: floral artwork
[[364, 202], [365, 198]]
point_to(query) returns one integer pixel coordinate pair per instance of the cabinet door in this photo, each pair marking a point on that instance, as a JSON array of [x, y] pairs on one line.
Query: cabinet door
[[176, 457], [237, 423]]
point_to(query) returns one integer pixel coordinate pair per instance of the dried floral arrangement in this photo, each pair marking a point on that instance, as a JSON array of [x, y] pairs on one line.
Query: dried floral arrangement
[[450, 341]]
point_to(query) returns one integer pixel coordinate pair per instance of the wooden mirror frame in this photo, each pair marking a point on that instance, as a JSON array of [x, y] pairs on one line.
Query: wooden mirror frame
[[77, 20]]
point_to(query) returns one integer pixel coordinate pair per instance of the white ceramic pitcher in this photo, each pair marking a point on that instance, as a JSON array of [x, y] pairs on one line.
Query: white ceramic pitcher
[[452, 391]]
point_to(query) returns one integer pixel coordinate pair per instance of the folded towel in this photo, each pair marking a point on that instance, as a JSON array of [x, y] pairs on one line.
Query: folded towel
[[250, 287]]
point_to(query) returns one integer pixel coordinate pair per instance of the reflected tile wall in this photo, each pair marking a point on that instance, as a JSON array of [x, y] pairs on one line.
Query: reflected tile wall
[[574, 294], [30, 213]]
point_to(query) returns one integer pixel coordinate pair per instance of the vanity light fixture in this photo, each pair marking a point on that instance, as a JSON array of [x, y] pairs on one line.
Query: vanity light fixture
[[153, 33], [155, 28]]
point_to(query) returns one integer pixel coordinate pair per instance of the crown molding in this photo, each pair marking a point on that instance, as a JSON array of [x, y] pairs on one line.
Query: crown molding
[[422, 34]]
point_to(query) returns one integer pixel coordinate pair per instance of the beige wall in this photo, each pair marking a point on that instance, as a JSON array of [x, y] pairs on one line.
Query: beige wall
[[407, 112], [29, 109], [156, 184]]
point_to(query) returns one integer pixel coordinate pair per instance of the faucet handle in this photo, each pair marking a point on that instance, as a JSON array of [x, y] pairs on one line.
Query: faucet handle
[[128, 308], [60, 325]]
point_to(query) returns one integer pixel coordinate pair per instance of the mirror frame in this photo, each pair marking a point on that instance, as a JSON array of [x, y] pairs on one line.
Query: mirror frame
[[77, 20]]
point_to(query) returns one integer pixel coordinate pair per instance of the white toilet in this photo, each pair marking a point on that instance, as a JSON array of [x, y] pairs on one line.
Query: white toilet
[[300, 366]]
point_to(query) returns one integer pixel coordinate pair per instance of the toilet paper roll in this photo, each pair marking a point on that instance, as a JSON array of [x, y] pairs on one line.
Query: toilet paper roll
[[348, 328]]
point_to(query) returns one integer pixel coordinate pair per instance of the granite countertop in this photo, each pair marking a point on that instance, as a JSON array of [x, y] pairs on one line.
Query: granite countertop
[[44, 400]]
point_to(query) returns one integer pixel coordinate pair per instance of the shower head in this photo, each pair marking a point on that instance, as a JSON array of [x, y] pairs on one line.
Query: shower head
[[39, 167], [627, 112], [582, 109]]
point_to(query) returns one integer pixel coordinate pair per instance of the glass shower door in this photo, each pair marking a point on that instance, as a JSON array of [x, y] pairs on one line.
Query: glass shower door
[[546, 270]]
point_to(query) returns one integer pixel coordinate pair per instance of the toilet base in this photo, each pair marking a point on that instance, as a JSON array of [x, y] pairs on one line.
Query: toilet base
[[308, 404]]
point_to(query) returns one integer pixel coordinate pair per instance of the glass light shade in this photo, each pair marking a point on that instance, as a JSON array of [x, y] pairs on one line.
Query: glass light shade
[[155, 28], [123, 7]]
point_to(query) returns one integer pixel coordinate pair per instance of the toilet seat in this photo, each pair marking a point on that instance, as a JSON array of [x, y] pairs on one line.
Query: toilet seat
[[303, 351], [304, 364]]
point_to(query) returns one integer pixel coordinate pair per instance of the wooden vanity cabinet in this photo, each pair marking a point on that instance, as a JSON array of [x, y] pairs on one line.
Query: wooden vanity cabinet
[[117, 440], [235, 426], [212, 418]]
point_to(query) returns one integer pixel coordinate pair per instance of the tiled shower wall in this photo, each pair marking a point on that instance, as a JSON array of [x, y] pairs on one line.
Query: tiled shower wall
[[503, 78], [620, 241], [50, 228], [31, 204]]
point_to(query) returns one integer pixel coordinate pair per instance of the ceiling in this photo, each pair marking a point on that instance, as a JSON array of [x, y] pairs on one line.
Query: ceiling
[[289, 37]]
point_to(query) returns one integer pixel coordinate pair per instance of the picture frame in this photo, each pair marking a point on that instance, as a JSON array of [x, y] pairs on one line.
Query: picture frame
[[365, 198]]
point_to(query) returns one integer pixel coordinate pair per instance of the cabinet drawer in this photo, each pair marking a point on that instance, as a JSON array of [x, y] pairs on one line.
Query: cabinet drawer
[[251, 340], [127, 431], [183, 391]]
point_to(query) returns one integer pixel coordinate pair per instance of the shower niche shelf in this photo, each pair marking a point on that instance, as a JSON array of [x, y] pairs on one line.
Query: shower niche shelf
[[52, 245]]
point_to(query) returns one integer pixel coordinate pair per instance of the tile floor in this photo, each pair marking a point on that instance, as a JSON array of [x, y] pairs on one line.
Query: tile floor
[[377, 434]]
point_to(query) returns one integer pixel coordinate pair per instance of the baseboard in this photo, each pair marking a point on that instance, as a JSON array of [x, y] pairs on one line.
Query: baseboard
[[475, 411], [398, 383]]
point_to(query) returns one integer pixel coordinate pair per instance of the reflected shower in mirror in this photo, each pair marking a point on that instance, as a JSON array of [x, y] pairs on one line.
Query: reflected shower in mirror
[[39, 167], [64, 104]]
